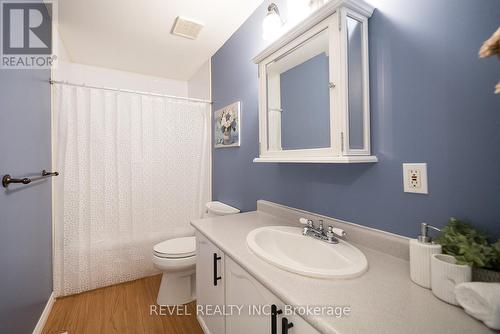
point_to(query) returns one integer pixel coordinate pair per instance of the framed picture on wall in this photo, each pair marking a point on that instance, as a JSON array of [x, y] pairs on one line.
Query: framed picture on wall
[[227, 126]]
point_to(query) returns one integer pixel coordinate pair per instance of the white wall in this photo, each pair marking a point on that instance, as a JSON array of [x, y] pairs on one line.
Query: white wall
[[65, 70], [199, 84], [200, 87], [99, 76]]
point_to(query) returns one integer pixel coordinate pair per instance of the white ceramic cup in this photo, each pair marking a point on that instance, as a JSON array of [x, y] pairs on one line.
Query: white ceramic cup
[[445, 274]]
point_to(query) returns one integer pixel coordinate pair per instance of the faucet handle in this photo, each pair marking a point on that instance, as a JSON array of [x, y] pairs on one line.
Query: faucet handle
[[338, 231], [305, 221], [320, 227]]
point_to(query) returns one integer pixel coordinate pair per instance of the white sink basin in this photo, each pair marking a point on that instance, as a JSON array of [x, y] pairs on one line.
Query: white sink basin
[[286, 248]]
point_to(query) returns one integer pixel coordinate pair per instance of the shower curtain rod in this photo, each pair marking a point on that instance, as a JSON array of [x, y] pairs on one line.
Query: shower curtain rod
[[128, 91]]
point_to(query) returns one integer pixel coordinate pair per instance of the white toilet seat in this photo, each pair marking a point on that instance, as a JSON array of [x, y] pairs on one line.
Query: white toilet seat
[[176, 248], [166, 264]]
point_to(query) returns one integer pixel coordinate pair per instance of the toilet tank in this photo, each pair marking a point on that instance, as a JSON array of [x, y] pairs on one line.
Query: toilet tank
[[214, 209]]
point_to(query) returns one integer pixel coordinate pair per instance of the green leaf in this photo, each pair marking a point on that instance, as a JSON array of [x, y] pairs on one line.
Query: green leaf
[[468, 245]]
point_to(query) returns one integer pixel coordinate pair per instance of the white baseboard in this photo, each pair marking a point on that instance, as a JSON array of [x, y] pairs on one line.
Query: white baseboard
[[203, 325], [45, 314]]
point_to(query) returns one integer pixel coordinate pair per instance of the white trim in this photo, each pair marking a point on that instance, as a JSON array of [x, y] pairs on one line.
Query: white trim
[[366, 150], [336, 79], [203, 326], [324, 12], [210, 131], [45, 314], [52, 182], [327, 25], [323, 160]]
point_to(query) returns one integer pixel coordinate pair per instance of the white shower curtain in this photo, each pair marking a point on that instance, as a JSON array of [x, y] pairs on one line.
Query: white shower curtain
[[134, 171]]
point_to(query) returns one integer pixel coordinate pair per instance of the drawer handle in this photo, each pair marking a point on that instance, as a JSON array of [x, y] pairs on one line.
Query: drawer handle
[[274, 318], [285, 325], [216, 275]]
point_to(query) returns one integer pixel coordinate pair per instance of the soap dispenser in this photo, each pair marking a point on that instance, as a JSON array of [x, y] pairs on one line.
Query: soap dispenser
[[421, 250]]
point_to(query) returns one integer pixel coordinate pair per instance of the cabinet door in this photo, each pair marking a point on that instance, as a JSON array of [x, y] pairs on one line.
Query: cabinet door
[[245, 291], [209, 284]]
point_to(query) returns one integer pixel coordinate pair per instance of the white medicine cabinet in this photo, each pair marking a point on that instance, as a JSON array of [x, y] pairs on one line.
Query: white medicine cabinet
[[314, 101]]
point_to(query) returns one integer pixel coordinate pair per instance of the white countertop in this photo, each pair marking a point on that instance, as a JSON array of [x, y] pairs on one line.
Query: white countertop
[[383, 300]]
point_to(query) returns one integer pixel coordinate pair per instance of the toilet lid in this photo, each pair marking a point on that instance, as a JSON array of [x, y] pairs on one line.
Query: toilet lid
[[175, 248]]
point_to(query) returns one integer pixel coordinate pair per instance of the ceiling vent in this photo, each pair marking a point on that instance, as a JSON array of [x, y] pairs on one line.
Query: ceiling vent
[[186, 28]]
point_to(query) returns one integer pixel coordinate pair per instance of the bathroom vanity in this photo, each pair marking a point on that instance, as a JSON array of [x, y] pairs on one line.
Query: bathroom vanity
[[222, 281], [381, 300]]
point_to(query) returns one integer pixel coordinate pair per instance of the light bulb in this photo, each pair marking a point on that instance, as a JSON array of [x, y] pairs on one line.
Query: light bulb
[[272, 24]]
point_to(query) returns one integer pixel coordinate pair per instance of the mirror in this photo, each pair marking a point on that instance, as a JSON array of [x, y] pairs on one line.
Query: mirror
[[355, 83], [298, 96]]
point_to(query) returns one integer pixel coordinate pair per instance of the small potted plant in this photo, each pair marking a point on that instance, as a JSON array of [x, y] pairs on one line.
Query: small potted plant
[[471, 247]]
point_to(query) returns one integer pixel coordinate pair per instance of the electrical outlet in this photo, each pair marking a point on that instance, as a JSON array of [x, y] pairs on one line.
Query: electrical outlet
[[415, 178]]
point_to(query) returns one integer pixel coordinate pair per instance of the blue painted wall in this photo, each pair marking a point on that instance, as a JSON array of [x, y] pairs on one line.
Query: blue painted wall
[[432, 101], [25, 211], [305, 96]]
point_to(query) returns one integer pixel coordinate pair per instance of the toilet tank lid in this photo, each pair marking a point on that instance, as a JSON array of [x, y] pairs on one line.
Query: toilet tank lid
[[220, 208]]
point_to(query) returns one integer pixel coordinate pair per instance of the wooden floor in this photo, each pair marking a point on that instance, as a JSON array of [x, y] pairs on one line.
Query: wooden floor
[[122, 308]]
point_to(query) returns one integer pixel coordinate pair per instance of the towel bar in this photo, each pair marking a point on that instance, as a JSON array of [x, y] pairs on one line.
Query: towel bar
[[7, 179]]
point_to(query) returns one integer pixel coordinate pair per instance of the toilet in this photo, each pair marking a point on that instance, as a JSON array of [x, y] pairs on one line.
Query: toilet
[[176, 258]]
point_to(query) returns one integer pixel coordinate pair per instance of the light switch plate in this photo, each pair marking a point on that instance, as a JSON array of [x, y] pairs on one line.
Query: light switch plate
[[415, 178]]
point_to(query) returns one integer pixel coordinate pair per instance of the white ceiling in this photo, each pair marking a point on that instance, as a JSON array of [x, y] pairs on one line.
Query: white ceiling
[[134, 35]]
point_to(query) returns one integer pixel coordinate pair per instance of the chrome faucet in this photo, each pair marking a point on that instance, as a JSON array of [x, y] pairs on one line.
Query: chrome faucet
[[319, 233], [310, 227]]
